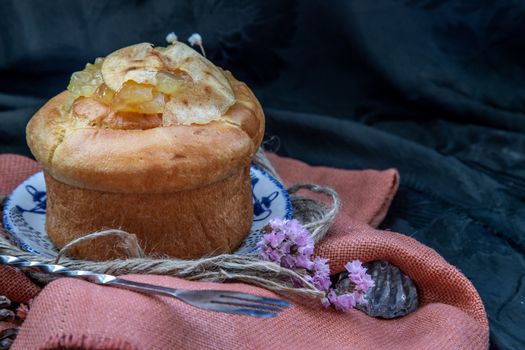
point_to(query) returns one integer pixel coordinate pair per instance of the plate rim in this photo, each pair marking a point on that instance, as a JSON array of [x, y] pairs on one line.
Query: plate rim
[[289, 207], [7, 203]]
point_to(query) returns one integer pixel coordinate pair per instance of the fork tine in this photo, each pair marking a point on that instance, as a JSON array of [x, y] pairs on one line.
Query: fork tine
[[238, 310], [250, 305], [256, 313], [254, 298]]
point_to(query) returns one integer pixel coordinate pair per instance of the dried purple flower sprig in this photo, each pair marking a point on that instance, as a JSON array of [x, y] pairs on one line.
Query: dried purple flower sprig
[[289, 244], [361, 283]]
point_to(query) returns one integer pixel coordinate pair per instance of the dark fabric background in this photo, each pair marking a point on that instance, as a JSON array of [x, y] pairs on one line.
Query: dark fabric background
[[434, 88]]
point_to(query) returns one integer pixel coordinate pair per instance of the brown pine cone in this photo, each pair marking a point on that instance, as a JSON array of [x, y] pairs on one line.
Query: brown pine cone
[[5, 344], [4, 302], [7, 315], [10, 312], [7, 337]]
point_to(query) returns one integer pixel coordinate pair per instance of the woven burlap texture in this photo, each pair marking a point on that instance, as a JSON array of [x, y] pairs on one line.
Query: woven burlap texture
[[75, 314]]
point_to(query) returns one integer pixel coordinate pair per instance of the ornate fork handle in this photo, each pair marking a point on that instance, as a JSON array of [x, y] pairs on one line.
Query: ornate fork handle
[[60, 270], [214, 300], [97, 278]]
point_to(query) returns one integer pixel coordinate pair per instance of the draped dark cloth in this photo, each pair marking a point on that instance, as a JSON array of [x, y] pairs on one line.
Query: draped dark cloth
[[434, 88]]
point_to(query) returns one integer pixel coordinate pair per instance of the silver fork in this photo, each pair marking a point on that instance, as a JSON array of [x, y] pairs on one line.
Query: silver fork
[[215, 300]]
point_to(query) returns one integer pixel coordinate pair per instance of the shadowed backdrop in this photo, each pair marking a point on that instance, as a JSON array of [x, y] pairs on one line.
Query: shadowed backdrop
[[433, 88]]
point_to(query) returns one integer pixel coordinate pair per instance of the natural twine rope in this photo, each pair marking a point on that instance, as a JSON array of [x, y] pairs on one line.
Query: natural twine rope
[[129, 242], [313, 214]]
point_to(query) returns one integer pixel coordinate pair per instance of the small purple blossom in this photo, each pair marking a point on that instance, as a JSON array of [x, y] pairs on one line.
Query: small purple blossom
[[320, 274], [359, 298], [343, 302], [357, 274], [364, 284], [361, 282], [355, 267], [288, 243]]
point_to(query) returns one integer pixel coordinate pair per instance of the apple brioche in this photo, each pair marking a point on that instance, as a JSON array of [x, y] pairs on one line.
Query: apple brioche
[[155, 141]]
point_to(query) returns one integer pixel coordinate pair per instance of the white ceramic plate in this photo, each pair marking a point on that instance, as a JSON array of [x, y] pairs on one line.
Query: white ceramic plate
[[24, 212]]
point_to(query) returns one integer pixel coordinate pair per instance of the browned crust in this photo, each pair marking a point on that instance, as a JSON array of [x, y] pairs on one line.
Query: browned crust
[[247, 112], [45, 130], [209, 220], [158, 160]]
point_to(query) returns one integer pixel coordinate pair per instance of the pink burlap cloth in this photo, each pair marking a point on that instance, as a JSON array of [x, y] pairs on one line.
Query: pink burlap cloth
[[72, 314]]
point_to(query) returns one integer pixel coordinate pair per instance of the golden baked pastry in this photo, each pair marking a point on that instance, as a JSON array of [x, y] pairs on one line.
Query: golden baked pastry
[[155, 141]]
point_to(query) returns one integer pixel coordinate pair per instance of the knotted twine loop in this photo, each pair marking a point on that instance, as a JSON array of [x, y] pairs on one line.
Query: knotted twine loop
[[313, 214], [129, 242]]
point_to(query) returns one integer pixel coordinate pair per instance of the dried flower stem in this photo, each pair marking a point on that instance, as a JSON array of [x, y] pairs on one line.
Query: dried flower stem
[[196, 39]]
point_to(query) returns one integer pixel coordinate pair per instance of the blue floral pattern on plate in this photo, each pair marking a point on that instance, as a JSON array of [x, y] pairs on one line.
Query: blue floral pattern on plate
[[25, 209]]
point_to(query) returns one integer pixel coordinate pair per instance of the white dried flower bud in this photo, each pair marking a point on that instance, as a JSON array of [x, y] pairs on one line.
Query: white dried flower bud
[[195, 39], [171, 38]]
